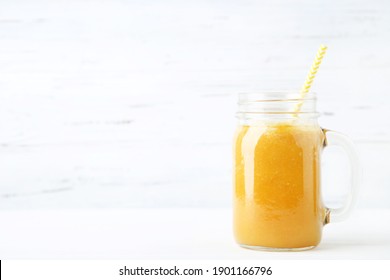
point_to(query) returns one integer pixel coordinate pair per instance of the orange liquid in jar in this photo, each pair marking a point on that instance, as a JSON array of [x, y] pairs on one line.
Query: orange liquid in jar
[[277, 200]]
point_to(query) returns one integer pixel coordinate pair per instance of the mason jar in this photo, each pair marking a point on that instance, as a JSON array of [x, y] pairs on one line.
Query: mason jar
[[277, 172]]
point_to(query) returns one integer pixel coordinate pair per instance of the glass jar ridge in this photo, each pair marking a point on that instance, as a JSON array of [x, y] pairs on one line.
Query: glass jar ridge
[[276, 105]]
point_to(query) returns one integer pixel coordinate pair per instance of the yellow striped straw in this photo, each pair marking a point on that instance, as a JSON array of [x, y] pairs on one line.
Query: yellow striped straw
[[312, 74]]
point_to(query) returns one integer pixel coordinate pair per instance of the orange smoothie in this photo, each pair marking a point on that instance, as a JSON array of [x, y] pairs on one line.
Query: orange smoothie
[[277, 200]]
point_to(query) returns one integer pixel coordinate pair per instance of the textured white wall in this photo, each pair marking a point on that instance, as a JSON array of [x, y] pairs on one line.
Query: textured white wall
[[131, 103]]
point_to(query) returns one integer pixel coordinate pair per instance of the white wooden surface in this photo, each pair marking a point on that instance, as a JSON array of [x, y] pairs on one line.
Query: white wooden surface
[[131, 103], [171, 234]]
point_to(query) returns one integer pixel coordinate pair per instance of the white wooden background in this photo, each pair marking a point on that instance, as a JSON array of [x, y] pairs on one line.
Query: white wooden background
[[131, 103]]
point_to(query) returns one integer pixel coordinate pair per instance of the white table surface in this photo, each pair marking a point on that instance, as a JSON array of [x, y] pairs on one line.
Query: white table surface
[[171, 234]]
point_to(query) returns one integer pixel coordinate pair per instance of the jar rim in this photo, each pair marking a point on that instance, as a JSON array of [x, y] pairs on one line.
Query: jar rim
[[276, 105]]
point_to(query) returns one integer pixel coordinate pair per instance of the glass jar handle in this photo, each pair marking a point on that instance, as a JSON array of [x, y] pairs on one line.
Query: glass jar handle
[[333, 138]]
